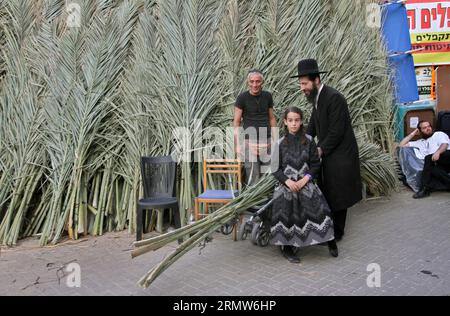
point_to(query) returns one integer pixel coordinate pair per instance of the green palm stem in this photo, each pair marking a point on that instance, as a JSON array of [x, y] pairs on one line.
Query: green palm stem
[[18, 222], [55, 204], [122, 192], [204, 228], [199, 237], [37, 218]]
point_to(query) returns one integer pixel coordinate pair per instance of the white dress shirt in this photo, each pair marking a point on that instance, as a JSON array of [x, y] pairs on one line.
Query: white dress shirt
[[318, 95], [426, 147]]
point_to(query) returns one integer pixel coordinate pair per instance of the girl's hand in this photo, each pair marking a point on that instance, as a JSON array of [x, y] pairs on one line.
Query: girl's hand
[[302, 183], [293, 186]]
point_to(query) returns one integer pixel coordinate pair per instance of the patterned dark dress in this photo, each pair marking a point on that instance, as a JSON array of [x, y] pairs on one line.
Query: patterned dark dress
[[304, 218]]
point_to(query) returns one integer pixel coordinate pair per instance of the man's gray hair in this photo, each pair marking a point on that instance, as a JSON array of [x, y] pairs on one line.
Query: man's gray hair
[[255, 72]]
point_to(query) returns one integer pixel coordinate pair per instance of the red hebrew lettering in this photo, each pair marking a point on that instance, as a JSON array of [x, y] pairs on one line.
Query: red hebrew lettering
[[434, 14], [448, 17], [441, 12], [426, 19], [412, 19]]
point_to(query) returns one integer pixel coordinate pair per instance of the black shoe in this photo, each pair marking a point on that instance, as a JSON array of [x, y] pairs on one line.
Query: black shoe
[[333, 249], [337, 238], [288, 253], [422, 194]]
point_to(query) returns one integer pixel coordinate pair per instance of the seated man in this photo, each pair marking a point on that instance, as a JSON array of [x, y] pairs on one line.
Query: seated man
[[434, 148], [411, 167]]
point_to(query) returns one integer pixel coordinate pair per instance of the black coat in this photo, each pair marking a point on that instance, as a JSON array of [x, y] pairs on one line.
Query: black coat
[[341, 175]]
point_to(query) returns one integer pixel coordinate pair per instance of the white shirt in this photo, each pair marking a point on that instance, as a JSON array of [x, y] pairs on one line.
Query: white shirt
[[318, 95], [426, 147]]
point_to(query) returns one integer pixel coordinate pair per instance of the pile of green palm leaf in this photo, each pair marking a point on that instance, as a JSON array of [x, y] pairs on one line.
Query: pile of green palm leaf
[[201, 230], [79, 106], [274, 35]]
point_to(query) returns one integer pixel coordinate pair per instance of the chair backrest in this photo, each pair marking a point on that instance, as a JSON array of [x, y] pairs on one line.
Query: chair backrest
[[443, 122], [158, 176], [231, 167]]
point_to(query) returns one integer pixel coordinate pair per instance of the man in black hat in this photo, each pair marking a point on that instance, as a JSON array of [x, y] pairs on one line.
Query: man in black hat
[[330, 122]]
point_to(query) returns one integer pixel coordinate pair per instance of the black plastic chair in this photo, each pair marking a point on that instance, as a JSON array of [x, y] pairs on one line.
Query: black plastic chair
[[158, 179]]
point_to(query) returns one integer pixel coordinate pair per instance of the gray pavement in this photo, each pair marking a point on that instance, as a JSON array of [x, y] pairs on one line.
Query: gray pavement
[[408, 239]]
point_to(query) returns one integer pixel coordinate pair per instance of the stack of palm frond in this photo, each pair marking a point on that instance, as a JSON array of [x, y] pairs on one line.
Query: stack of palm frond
[[201, 230], [80, 105]]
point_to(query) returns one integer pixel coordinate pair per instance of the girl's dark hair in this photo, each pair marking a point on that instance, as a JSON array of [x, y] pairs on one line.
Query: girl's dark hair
[[294, 109]]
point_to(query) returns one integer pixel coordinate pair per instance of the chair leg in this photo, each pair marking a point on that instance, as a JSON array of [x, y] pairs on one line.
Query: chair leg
[[160, 221], [152, 224], [144, 221], [236, 227], [177, 218], [196, 209], [139, 224]]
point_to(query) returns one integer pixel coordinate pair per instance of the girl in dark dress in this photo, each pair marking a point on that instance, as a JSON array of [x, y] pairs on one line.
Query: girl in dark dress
[[300, 214]]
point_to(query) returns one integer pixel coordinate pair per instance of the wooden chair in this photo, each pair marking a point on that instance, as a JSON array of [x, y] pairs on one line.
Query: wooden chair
[[227, 167]]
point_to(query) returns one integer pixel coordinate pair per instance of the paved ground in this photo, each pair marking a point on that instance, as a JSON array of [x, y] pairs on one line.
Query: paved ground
[[408, 239]]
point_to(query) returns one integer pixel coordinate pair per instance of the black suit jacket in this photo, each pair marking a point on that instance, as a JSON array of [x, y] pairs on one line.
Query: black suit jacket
[[341, 176]]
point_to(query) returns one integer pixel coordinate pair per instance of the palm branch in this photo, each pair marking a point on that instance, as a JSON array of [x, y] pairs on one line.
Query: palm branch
[[79, 106]]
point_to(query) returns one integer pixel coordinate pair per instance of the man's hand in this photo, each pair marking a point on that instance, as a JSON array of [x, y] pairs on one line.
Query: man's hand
[[264, 149], [320, 152], [258, 149], [407, 139], [238, 150], [436, 156], [254, 150]]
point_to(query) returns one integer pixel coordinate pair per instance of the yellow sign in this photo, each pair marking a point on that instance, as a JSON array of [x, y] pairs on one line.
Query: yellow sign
[[429, 25]]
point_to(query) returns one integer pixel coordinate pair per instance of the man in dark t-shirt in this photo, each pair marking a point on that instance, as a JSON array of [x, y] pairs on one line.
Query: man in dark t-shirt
[[254, 114]]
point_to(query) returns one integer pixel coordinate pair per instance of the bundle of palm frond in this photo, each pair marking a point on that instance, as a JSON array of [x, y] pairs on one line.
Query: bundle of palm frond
[[201, 230], [83, 81], [181, 88], [80, 105], [376, 165], [57, 98], [21, 155], [3, 21], [273, 35]]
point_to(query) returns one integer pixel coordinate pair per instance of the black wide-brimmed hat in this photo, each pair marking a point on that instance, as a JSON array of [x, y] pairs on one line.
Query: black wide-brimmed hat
[[308, 67]]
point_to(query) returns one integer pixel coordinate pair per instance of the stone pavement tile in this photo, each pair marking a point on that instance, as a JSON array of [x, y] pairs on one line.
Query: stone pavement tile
[[153, 291], [328, 290], [250, 282], [401, 235], [300, 282], [441, 290], [252, 293], [309, 291]]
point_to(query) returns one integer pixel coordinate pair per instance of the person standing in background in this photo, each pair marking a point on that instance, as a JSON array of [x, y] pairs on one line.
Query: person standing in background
[[254, 112]]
